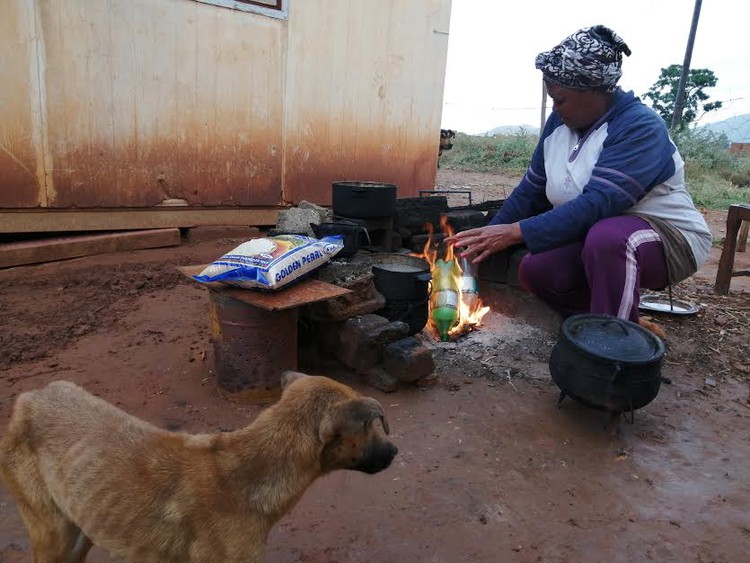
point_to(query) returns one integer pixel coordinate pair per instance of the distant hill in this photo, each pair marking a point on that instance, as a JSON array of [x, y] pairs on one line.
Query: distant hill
[[511, 130], [737, 128]]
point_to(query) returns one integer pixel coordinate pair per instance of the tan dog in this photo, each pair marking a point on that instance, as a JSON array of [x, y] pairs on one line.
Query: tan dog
[[83, 471]]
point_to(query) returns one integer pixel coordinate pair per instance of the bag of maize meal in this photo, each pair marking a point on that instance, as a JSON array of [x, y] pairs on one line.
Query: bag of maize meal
[[271, 262]]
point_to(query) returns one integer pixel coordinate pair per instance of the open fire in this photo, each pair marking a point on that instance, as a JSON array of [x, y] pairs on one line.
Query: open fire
[[455, 307]]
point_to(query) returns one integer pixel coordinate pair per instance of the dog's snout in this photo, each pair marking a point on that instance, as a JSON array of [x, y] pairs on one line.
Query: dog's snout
[[377, 458]]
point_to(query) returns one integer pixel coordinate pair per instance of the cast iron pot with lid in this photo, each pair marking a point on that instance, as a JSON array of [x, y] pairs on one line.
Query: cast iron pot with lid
[[607, 363], [363, 200]]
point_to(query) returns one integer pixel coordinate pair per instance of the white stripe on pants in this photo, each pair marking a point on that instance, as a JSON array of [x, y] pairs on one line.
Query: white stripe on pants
[[631, 268]]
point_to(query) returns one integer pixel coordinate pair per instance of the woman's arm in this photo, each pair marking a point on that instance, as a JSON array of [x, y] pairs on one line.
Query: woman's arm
[[479, 243], [526, 200]]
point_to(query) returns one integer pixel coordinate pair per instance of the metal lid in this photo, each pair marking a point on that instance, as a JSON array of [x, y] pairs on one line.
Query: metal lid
[[359, 184], [386, 260], [611, 338]]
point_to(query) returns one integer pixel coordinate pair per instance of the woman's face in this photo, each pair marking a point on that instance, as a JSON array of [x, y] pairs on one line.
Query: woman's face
[[578, 109]]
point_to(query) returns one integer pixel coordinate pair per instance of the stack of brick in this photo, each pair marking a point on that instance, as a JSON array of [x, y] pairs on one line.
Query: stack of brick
[[377, 349]]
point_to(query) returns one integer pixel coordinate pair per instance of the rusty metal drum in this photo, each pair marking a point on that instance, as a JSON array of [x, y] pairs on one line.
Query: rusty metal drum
[[252, 347]]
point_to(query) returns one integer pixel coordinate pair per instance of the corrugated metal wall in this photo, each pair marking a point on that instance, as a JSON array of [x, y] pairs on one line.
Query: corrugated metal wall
[[127, 103]]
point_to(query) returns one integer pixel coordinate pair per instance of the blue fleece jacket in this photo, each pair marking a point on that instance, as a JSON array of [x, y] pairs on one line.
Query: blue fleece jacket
[[574, 182]]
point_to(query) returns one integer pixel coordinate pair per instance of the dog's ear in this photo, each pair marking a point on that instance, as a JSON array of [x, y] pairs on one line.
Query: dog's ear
[[351, 417], [288, 377]]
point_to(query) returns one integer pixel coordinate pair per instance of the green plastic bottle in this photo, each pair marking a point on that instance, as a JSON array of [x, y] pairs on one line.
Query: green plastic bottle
[[444, 297]]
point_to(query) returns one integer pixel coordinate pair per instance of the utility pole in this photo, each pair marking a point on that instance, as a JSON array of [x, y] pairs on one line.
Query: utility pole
[[680, 101]]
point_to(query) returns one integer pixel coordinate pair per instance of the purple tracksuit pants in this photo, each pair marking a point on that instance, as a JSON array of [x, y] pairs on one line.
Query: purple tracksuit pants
[[602, 274]]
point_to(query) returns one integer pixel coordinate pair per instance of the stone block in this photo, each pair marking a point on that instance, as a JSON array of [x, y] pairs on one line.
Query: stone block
[[466, 219], [408, 360], [363, 338], [502, 267], [380, 380], [344, 307], [363, 299], [325, 214], [382, 336], [296, 220], [352, 351], [412, 213]]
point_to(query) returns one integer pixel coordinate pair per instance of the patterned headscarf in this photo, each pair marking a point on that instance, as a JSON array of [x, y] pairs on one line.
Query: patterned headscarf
[[590, 59]]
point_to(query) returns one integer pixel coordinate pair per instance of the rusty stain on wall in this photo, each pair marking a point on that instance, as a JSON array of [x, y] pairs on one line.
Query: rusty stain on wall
[[18, 182], [19, 185], [224, 174], [310, 173]]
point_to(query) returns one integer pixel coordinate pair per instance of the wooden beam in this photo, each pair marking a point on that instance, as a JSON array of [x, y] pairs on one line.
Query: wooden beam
[[62, 248], [67, 220], [738, 212]]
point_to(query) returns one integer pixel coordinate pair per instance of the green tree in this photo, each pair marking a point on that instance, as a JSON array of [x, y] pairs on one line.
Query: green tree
[[663, 93]]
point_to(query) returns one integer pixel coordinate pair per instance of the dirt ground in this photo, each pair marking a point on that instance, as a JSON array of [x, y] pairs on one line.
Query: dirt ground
[[489, 469]]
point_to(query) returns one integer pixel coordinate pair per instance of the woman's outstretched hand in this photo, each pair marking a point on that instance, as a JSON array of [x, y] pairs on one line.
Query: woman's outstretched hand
[[479, 243]]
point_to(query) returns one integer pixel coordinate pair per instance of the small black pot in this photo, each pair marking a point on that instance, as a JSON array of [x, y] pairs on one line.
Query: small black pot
[[404, 281], [401, 277], [350, 231], [607, 363], [363, 200]]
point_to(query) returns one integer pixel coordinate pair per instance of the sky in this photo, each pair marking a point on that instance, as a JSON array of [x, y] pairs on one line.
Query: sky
[[490, 75]]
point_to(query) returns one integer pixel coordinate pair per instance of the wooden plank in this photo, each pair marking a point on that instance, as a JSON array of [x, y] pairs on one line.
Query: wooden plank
[[735, 216], [301, 293], [55, 221], [62, 248]]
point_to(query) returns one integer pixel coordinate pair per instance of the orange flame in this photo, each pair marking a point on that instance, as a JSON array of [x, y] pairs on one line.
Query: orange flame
[[471, 311]]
